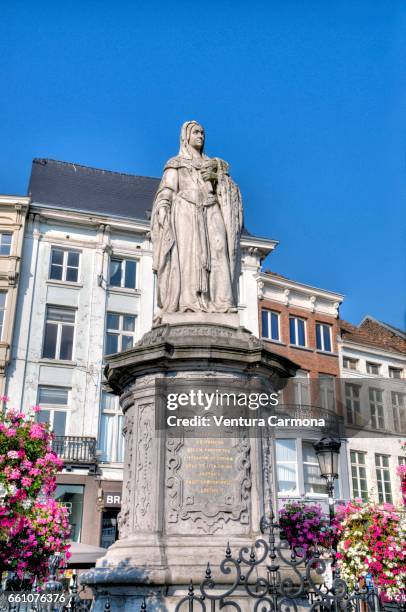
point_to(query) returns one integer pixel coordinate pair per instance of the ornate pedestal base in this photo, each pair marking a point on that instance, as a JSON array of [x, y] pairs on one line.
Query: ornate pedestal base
[[184, 497]]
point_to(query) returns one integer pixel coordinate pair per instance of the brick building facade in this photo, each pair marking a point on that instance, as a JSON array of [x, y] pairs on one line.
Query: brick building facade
[[302, 323]]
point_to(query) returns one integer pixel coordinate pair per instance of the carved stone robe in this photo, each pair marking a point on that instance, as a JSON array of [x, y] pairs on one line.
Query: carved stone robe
[[196, 250]]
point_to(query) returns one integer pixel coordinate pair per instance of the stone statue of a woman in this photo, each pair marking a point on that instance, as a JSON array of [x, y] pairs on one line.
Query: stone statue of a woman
[[195, 227]]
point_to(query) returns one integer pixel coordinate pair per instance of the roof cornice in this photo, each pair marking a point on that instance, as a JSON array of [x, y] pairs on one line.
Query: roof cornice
[[14, 199], [307, 289], [264, 245], [82, 217], [87, 218], [370, 348]]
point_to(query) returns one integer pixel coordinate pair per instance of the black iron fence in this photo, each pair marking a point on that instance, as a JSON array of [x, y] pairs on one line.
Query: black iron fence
[[271, 577]]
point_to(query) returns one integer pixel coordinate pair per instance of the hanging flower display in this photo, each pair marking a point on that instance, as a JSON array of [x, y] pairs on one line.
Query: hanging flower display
[[33, 526], [305, 526], [371, 541]]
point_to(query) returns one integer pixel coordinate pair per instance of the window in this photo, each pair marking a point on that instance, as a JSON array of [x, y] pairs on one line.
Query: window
[[327, 391], [376, 408], [286, 466], [399, 411], [395, 372], [297, 469], [402, 460], [297, 331], [323, 337], [349, 363], [52, 401], [313, 482], [71, 496], [5, 243], [3, 296], [120, 332], [123, 273], [270, 324], [59, 330], [352, 403], [359, 475], [301, 388], [111, 439], [383, 479], [373, 368], [64, 265]]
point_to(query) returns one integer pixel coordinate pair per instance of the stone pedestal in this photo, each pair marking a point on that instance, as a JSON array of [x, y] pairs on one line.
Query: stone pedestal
[[171, 524]]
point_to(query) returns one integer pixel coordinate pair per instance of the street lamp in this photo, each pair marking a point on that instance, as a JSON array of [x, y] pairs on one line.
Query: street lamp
[[328, 452]]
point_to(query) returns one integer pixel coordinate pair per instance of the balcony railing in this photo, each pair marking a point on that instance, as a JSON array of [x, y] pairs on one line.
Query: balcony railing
[[76, 451]]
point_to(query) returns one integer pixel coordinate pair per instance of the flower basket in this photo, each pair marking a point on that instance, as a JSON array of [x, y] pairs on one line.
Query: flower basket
[[371, 541], [305, 527]]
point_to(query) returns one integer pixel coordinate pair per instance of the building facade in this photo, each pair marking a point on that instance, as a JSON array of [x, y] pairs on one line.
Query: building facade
[[13, 211], [373, 371], [87, 290], [302, 323]]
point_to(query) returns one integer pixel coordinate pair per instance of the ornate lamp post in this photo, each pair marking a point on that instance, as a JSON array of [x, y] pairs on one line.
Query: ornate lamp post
[[328, 453]]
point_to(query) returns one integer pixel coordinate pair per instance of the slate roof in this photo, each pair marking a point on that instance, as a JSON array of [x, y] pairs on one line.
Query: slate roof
[[72, 186]]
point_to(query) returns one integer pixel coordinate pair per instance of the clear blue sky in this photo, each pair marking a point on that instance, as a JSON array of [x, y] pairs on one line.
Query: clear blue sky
[[306, 100]]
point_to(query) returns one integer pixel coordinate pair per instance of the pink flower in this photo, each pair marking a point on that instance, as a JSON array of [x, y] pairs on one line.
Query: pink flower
[[4, 398], [36, 408], [401, 471], [13, 454], [37, 431]]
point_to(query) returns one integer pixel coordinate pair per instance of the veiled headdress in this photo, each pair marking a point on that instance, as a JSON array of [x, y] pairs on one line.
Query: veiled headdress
[[184, 149]]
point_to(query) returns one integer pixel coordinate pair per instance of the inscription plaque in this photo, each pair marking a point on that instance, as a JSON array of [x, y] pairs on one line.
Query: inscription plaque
[[208, 481]]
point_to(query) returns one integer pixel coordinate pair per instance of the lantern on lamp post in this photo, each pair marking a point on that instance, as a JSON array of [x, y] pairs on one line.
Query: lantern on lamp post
[[328, 453]]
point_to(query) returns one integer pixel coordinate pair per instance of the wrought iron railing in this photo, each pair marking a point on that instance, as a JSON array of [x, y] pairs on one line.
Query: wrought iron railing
[[269, 576], [76, 450]]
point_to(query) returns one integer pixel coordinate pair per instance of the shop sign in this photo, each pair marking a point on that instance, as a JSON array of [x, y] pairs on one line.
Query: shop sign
[[112, 500]]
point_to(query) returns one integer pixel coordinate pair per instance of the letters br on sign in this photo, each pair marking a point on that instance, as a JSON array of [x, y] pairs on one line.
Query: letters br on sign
[[112, 500]]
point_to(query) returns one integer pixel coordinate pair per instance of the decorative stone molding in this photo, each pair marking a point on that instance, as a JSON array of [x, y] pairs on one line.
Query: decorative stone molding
[[186, 346], [144, 466], [261, 286], [313, 301]]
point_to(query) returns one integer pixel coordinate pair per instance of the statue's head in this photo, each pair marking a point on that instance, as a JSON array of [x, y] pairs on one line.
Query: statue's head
[[191, 137]]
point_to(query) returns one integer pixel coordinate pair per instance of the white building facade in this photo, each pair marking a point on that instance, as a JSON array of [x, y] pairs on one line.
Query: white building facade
[[373, 373], [87, 290]]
